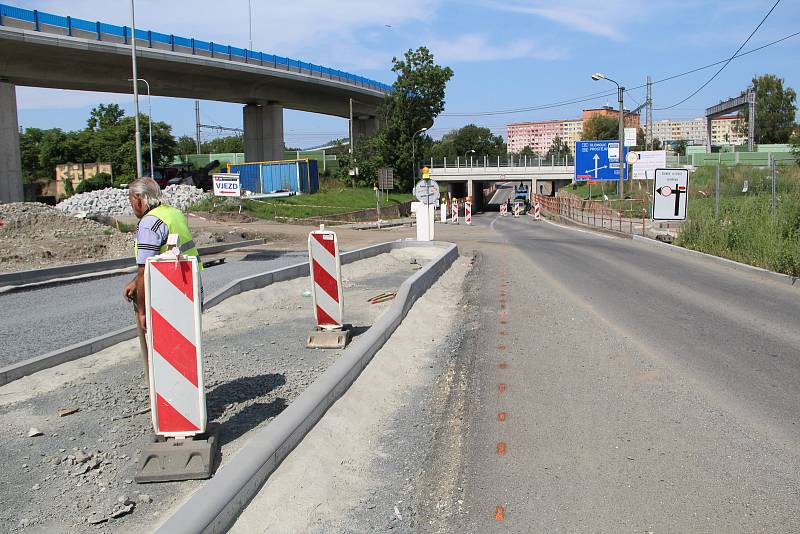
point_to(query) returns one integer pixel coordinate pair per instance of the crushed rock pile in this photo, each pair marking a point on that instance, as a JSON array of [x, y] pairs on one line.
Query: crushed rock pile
[[112, 201], [33, 235]]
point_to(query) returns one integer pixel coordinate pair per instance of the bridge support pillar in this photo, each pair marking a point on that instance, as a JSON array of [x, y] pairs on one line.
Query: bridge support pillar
[[10, 161], [364, 126], [470, 189], [263, 132]]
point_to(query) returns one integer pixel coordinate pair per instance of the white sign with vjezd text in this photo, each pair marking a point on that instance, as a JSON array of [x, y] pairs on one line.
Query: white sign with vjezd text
[[226, 185]]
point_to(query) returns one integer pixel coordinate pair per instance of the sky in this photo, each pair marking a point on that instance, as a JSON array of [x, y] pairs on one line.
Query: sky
[[506, 54]]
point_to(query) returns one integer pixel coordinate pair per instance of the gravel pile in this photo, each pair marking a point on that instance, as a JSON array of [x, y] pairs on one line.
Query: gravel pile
[[112, 201], [33, 235]]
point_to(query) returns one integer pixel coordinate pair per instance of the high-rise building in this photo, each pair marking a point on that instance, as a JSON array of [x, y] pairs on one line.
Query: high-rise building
[[693, 131], [539, 135]]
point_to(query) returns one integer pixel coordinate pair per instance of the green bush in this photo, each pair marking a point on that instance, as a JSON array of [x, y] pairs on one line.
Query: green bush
[[101, 180], [68, 189]]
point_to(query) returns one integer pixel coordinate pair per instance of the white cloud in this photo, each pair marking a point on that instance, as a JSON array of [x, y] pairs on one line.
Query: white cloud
[[477, 47], [605, 19]]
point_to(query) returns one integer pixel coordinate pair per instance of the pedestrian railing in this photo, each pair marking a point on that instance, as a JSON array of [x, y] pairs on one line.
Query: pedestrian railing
[[627, 216]]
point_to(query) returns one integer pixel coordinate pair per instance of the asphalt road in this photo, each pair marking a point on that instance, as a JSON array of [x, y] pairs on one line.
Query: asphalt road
[[616, 388], [38, 321]]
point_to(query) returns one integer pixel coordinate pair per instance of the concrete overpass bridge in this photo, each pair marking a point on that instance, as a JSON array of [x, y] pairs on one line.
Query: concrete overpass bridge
[[476, 176], [40, 49]]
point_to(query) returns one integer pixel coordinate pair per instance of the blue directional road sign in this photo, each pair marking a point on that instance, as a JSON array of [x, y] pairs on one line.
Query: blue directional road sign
[[599, 160]]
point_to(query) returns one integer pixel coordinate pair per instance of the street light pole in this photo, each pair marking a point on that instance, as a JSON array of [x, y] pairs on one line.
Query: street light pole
[[138, 135], [250, 20], [413, 153], [621, 97], [470, 151], [149, 124]]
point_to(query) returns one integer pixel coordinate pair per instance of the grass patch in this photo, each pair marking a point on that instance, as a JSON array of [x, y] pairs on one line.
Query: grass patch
[[744, 230], [333, 198]]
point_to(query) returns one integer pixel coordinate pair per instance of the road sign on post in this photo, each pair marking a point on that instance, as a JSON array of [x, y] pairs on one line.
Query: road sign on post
[[599, 160], [670, 194], [177, 389], [646, 162], [386, 178]]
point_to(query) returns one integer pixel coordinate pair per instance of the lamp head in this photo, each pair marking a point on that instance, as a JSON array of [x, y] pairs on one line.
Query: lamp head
[[598, 76]]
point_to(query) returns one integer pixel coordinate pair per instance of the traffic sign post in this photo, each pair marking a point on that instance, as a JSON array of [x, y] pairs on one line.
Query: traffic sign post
[[427, 192], [646, 162], [599, 160], [670, 194]]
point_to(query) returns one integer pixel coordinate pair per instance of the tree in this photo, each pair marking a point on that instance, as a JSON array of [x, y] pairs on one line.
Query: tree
[[558, 149], [775, 110], [641, 142], [231, 143], [104, 116], [599, 128], [186, 145], [528, 151], [680, 147], [460, 141], [795, 142], [417, 98]]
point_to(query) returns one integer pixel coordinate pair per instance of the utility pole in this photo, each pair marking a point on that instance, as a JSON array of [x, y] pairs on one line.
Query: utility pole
[[197, 124], [138, 135], [649, 114]]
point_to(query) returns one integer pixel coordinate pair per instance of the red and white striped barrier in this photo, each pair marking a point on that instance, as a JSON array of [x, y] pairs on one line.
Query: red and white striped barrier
[[174, 335], [517, 209], [326, 276], [537, 211], [454, 215], [503, 209], [468, 212]]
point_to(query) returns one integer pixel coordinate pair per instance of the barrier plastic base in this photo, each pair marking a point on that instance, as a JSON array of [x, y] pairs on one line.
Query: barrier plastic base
[[168, 459], [329, 339]]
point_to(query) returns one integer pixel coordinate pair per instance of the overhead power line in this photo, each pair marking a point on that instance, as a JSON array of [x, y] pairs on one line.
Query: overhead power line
[[727, 62], [597, 96]]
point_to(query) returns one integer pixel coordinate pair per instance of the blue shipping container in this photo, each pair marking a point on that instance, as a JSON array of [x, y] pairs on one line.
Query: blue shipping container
[[300, 176]]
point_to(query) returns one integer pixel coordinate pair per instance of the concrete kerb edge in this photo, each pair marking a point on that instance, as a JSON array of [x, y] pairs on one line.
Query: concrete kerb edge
[[66, 271], [86, 348], [213, 507], [752, 269]]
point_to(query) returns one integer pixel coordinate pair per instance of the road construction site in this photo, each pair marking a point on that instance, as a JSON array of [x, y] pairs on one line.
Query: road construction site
[[553, 379], [255, 361]]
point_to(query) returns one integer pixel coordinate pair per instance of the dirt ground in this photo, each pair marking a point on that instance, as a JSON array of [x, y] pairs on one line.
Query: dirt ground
[[35, 236]]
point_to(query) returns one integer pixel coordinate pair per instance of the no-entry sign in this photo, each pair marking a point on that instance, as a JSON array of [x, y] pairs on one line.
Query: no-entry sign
[[670, 194]]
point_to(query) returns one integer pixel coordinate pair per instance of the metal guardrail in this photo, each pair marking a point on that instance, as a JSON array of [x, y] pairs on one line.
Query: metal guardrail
[[100, 31], [627, 216]]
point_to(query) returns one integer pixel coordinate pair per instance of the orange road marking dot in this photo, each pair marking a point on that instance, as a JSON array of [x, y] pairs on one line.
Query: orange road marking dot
[[501, 449], [501, 416], [501, 387], [503, 365], [499, 514]]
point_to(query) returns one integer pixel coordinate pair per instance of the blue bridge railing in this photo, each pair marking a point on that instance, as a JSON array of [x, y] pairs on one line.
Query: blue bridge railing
[[47, 22]]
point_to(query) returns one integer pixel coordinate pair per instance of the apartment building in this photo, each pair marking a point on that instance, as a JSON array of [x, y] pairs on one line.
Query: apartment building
[[539, 135], [723, 131]]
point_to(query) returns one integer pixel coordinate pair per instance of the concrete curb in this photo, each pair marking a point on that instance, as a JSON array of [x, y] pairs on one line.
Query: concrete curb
[[214, 506], [66, 273], [750, 269], [86, 348]]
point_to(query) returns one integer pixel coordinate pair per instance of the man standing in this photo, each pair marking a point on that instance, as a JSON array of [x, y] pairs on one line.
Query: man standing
[[156, 222]]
